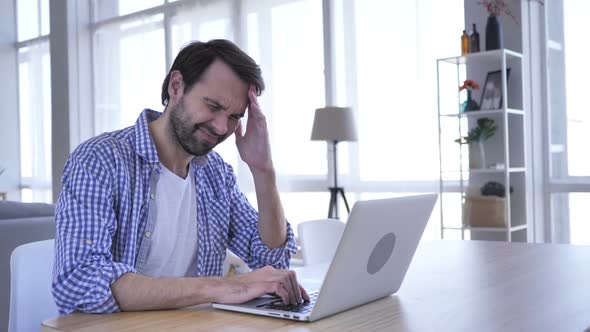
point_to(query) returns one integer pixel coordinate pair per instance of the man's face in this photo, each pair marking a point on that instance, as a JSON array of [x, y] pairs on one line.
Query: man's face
[[209, 112]]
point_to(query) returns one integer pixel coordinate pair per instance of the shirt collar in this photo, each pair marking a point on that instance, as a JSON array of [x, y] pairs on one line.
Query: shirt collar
[[144, 144]]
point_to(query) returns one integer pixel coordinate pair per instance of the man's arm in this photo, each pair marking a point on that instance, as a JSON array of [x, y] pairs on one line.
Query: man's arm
[[85, 221], [135, 292], [273, 231], [254, 148], [272, 225]]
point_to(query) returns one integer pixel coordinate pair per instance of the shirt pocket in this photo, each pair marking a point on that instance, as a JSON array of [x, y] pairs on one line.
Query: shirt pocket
[[214, 240], [218, 213]]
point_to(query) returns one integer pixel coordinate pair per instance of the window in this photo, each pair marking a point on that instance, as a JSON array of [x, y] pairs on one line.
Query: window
[[569, 168], [577, 71], [34, 99], [291, 57], [131, 50], [129, 67], [384, 60], [32, 19], [205, 22]]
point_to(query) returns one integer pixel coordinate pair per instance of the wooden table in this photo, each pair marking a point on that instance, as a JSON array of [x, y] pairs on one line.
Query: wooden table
[[451, 286]]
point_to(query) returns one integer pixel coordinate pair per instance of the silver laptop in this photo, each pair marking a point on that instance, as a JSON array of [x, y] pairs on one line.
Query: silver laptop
[[375, 252]]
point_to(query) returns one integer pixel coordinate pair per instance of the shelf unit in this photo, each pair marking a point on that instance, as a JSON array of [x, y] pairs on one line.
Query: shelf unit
[[506, 149]]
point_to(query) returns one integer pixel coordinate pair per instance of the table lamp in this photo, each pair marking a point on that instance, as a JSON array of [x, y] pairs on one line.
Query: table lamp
[[333, 125]]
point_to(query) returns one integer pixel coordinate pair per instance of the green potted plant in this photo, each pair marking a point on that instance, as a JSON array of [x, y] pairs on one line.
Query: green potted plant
[[475, 138]]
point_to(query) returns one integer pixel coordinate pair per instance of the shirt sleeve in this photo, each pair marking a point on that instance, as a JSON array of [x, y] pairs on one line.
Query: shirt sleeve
[[245, 239], [85, 223]]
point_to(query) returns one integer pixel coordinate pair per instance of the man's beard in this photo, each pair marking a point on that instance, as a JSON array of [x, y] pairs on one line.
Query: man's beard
[[185, 133]]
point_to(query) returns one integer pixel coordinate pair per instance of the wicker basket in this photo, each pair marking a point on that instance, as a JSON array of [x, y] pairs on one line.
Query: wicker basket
[[484, 211]]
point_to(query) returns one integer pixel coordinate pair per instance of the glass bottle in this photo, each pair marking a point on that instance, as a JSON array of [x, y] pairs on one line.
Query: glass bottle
[[464, 43], [474, 40]]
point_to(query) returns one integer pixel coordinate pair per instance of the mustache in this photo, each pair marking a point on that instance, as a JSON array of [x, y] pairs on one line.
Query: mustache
[[209, 130]]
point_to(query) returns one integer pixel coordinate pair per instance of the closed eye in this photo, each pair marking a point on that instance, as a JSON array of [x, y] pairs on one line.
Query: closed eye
[[214, 107]]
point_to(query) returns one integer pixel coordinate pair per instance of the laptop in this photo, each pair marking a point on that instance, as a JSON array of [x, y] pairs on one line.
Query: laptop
[[370, 262]]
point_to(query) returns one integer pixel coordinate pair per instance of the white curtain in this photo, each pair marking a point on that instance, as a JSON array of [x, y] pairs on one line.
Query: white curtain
[[35, 122], [129, 61]]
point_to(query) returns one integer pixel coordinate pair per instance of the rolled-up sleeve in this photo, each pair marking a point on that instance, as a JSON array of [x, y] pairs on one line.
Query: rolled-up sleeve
[[85, 223], [245, 239], [277, 257]]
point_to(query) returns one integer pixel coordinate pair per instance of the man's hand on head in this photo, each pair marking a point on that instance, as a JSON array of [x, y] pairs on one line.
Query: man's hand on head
[[254, 145]]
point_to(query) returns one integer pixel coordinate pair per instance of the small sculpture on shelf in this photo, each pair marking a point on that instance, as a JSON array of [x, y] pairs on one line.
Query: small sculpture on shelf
[[493, 188], [475, 138], [469, 104]]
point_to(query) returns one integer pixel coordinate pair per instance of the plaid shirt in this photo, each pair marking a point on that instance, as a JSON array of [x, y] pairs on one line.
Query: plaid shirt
[[105, 218]]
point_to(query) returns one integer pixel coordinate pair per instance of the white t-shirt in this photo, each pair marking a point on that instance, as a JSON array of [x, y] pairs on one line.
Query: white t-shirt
[[174, 239]]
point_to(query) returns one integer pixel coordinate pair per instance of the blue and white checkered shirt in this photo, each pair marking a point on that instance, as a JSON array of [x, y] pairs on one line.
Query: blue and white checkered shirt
[[105, 218]]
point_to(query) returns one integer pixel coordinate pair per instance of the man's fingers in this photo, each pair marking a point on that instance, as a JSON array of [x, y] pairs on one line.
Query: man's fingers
[[294, 286], [304, 294], [238, 132], [282, 292], [284, 284], [253, 108]]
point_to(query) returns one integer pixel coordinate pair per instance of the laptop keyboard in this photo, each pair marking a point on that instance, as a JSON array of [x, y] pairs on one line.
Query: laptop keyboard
[[302, 308]]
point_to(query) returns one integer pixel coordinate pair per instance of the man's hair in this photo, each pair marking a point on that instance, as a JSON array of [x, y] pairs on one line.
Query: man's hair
[[197, 56]]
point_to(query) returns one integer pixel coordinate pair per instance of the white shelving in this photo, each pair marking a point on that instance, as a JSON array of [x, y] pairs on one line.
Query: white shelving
[[481, 56], [482, 113], [505, 150], [489, 170]]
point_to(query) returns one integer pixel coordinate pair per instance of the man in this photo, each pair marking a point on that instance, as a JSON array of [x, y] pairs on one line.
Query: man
[[146, 213]]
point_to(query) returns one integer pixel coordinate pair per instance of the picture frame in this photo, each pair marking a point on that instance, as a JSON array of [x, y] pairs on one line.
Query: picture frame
[[491, 96]]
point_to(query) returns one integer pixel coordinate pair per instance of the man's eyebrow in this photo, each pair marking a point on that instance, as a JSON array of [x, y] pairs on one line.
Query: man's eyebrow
[[215, 103]]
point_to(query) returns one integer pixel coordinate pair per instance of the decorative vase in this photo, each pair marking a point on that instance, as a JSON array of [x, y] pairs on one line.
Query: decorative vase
[[469, 104], [477, 155], [493, 34]]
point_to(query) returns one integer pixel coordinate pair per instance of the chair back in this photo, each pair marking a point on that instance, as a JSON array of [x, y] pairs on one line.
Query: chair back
[[31, 300], [319, 239]]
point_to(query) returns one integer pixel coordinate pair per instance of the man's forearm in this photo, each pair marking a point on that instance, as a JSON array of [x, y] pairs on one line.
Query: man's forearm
[[134, 292], [272, 225]]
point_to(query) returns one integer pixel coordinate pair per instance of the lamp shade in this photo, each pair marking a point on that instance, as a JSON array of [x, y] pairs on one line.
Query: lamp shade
[[333, 124]]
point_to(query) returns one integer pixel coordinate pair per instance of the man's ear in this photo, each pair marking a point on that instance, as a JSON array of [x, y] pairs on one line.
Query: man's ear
[[175, 85]]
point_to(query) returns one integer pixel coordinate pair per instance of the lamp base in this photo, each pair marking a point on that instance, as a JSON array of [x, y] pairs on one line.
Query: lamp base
[[333, 208]]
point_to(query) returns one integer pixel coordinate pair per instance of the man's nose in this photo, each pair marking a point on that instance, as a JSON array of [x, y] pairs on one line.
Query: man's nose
[[219, 124]]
